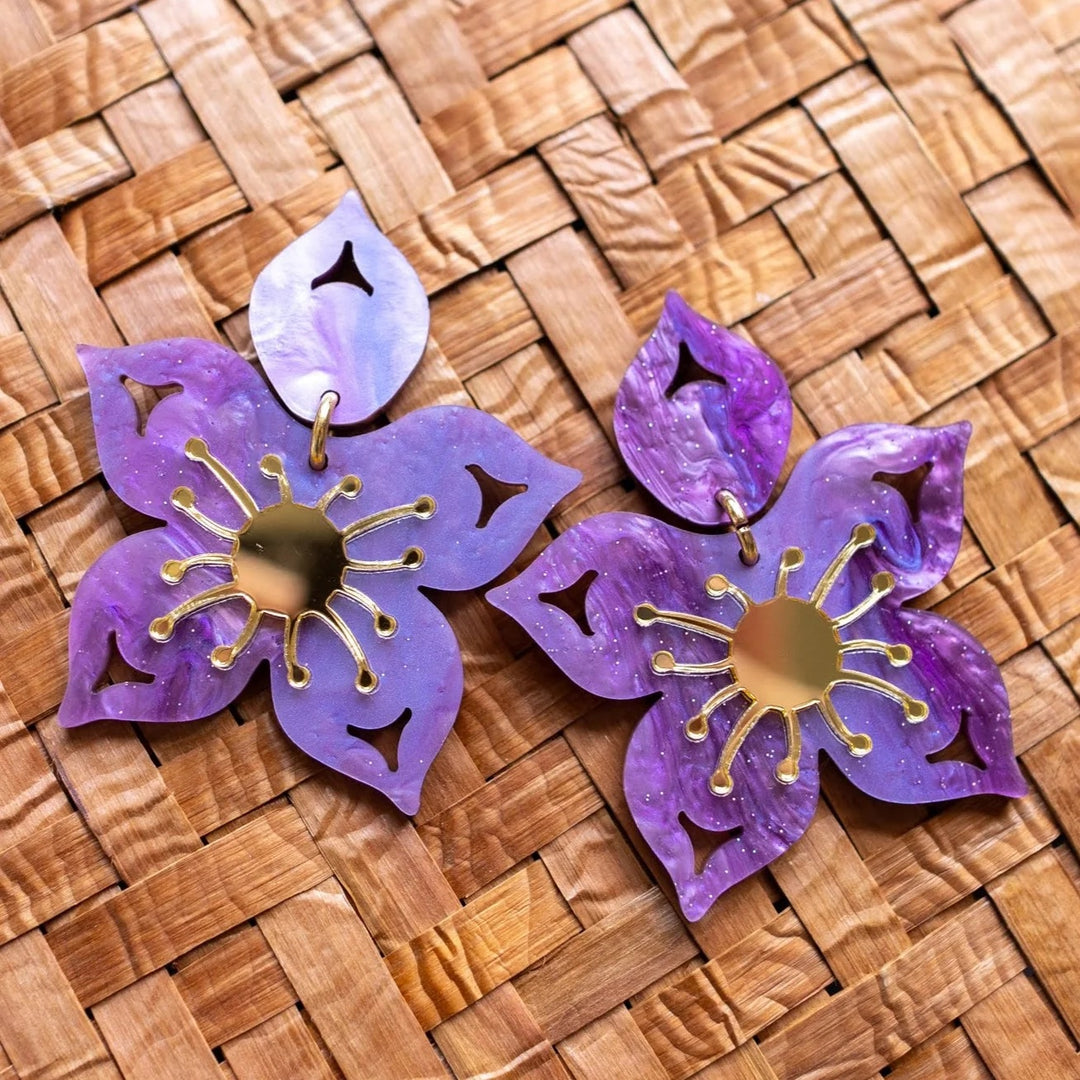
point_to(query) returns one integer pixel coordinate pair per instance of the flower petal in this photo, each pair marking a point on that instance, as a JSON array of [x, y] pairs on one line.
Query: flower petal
[[686, 443], [223, 400], [339, 309], [120, 595], [420, 682], [855, 475], [959, 682], [444, 452], [631, 559], [666, 777]]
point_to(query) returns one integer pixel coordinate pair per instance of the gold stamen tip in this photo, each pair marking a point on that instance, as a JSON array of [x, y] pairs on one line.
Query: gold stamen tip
[[863, 535], [663, 662], [860, 745], [882, 582], [223, 657], [366, 681], [916, 711], [898, 655], [424, 507], [697, 728], [350, 486], [172, 571], [162, 629], [385, 625], [644, 614], [196, 449], [271, 465], [412, 559], [720, 782], [183, 498], [716, 585], [792, 559], [787, 772], [299, 676]]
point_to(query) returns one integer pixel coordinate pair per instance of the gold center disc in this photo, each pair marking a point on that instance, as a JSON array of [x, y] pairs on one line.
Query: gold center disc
[[290, 559], [785, 653]]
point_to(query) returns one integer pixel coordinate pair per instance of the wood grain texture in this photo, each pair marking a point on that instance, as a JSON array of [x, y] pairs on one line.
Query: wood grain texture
[[505, 930], [191, 191], [487, 128], [57, 169], [335, 966], [213, 889], [879, 193], [77, 77]]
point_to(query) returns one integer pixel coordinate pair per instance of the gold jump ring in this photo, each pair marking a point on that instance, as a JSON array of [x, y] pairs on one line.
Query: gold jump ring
[[748, 549], [317, 453]]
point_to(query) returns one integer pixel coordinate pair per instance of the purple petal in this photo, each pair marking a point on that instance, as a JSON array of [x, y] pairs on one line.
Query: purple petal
[[120, 595], [958, 680], [838, 483], [339, 309], [688, 443], [222, 400], [666, 777], [444, 452], [420, 682], [630, 559]]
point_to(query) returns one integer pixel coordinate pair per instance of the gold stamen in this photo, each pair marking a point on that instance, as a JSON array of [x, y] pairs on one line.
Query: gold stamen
[[792, 559], [183, 498], [881, 584], [914, 710], [161, 629], [859, 745], [697, 727], [385, 625], [410, 559], [646, 615], [861, 536], [298, 675], [366, 680], [663, 663], [197, 450], [718, 586], [720, 783], [348, 487], [224, 656], [273, 468], [173, 570], [422, 508], [787, 772], [898, 655]]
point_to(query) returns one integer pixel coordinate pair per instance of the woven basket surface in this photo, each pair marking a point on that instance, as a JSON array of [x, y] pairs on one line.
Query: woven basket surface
[[881, 193]]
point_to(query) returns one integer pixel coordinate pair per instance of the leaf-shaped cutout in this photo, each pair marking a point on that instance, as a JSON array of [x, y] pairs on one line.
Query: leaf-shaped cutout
[[339, 309], [699, 411]]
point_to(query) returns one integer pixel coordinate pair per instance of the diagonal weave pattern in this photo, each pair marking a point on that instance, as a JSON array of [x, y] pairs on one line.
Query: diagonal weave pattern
[[881, 194]]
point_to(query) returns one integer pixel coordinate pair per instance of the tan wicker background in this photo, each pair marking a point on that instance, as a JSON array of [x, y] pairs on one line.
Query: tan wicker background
[[880, 192]]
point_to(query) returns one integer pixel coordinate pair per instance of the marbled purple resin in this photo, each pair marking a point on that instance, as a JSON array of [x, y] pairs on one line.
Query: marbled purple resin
[[224, 401], [638, 559], [339, 309], [686, 443]]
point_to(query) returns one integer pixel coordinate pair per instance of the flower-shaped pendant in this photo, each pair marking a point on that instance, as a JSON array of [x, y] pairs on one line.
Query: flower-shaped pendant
[[759, 669], [263, 557]]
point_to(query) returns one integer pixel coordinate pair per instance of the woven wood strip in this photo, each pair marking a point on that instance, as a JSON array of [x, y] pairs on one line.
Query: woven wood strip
[[881, 193]]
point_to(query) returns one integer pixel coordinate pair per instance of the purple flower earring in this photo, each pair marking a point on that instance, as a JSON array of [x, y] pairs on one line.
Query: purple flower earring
[[291, 545], [791, 643]]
